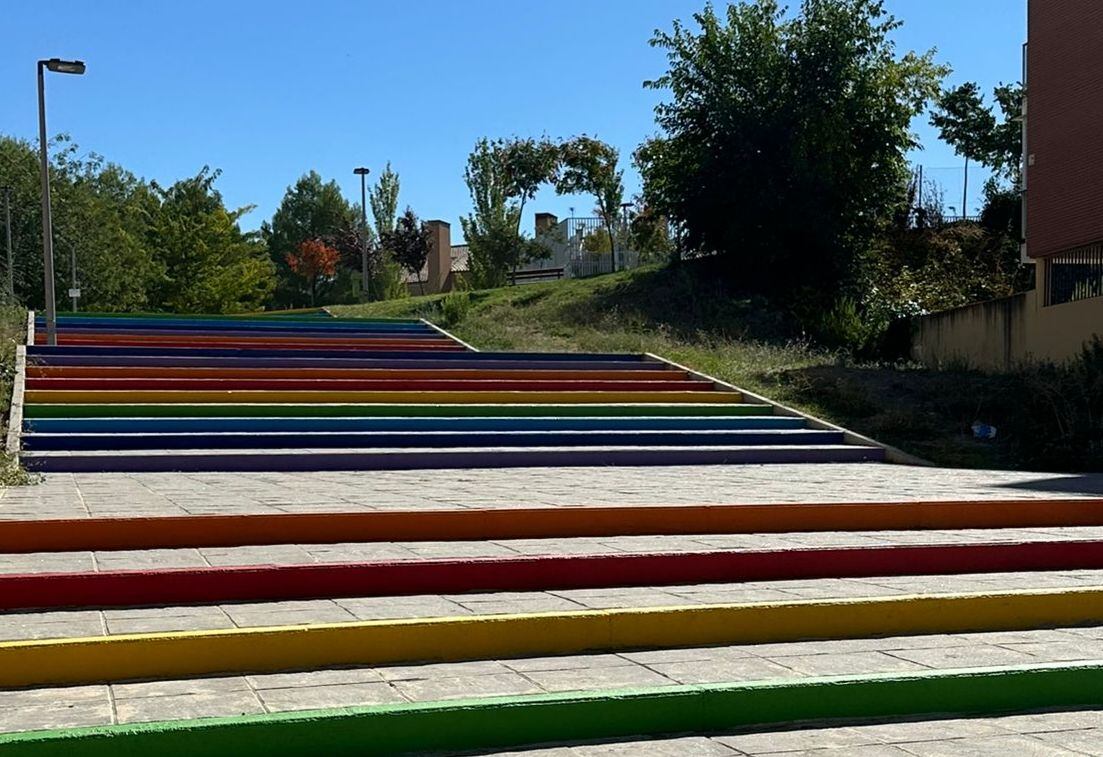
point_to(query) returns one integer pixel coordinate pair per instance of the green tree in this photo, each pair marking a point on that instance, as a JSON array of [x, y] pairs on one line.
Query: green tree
[[491, 229], [502, 175], [311, 209], [100, 212], [971, 127], [383, 201], [783, 143], [386, 274], [409, 245], [589, 166], [210, 265]]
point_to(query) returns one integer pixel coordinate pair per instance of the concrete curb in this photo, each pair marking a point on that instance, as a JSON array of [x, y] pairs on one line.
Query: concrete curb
[[892, 454], [451, 336], [18, 395]]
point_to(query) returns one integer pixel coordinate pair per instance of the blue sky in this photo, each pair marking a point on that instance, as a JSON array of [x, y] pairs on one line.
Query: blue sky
[[268, 90]]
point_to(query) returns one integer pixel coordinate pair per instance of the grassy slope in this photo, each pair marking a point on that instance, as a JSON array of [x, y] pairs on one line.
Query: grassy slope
[[685, 315]]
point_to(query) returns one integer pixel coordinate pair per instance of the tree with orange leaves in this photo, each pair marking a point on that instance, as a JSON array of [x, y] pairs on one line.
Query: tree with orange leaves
[[315, 261]]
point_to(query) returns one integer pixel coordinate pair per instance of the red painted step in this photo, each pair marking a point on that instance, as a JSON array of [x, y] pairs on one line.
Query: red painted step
[[287, 582]]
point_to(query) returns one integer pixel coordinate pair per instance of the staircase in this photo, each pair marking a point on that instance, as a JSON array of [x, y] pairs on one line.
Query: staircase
[[307, 392]]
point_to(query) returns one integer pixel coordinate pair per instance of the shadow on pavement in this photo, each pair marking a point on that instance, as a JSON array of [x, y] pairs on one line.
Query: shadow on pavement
[[1085, 483]]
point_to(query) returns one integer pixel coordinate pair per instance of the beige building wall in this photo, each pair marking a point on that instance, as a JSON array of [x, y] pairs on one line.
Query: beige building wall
[[1003, 334]]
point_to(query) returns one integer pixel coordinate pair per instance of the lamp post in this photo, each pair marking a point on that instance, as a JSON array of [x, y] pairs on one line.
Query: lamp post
[[363, 172], [61, 67]]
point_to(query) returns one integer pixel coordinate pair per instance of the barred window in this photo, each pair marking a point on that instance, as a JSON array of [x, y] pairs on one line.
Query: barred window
[[1074, 274]]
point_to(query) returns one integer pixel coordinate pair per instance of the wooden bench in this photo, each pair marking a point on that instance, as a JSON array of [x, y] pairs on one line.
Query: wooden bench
[[536, 274]]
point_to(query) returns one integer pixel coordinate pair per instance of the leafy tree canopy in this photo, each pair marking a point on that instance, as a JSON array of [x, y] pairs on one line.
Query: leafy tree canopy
[[975, 132], [210, 265], [782, 145], [311, 209], [409, 244]]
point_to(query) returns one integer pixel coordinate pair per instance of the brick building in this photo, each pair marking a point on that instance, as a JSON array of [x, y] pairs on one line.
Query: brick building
[[1063, 147]]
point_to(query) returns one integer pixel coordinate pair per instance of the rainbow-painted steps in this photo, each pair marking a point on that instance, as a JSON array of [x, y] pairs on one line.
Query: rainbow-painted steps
[[220, 393]]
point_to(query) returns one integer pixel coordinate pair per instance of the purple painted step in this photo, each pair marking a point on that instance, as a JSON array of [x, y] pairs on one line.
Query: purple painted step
[[353, 460]]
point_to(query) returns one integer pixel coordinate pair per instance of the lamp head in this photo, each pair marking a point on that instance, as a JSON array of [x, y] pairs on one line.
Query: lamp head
[[65, 66]]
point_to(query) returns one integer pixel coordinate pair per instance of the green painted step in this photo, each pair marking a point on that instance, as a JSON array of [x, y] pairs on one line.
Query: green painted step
[[386, 411], [511, 722]]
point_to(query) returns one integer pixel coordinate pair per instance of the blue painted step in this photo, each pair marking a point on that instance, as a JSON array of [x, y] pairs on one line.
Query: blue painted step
[[427, 440], [254, 425]]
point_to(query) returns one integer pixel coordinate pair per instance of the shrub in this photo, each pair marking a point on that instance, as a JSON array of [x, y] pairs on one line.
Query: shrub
[[1060, 425], [454, 307]]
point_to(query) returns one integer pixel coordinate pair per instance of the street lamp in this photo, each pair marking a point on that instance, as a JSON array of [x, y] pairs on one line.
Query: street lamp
[[60, 67], [363, 174]]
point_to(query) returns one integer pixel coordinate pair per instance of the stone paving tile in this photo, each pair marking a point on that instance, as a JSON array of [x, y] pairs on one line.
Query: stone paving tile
[[47, 562], [980, 736], [628, 675], [159, 620], [313, 678], [329, 695], [974, 655], [212, 686], [150, 559], [287, 613], [800, 740], [51, 625], [846, 663], [203, 704], [463, 687], [386, 608], [720, 671], [988, 746]]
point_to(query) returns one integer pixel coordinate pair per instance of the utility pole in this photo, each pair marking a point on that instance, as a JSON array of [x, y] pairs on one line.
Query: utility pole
[[365, 278], [74, 289], [7, 227], [965, 191]]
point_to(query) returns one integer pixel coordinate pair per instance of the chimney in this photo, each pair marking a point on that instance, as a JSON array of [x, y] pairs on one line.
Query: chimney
[[545, 222], [440, 256]]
